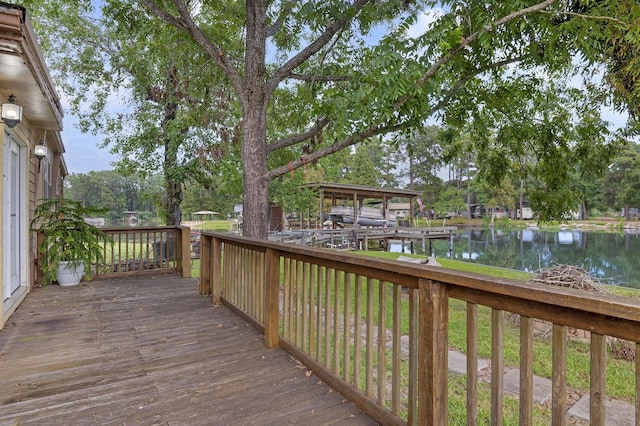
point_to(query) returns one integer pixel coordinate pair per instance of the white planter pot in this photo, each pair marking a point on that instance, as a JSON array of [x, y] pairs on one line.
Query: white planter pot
[[68, 275]]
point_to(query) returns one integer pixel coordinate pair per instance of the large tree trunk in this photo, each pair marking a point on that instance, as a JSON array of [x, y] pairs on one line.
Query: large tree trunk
[[254, 130], [468, 189], [521, 201], [173, 188], [172, 202], [255, 197]]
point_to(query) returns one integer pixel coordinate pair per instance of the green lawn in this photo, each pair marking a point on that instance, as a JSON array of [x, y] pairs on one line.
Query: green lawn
[[215, 225]]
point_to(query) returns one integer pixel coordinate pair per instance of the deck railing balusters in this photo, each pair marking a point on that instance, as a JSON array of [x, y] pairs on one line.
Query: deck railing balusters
[[312, 306], [381, 372], [338, 311], [321, 273], [637, 407], [396, 356], [336, 322], [497, 366], [346, 343], [412, 408], [369, 339], [299, 290], [327, 317], [472, 364], [526, 370], [290, 285], [357, 333], [598, 388], [132, 251], [304, 307]]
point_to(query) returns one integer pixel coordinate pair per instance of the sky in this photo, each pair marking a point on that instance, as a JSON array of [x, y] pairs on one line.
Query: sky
[[82, 151]]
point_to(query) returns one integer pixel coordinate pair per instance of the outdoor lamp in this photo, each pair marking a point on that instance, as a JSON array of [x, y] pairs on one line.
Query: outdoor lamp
[[11, 112], [40, 151]]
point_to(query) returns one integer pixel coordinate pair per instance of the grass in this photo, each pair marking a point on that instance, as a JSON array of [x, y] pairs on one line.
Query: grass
[[457, 265], [215, 225], [195, 268]]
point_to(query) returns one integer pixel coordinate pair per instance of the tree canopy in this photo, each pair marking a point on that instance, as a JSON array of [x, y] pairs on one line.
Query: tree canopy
[[312, 78]]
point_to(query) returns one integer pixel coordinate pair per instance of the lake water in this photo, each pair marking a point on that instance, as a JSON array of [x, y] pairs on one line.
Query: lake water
[[611, 258]]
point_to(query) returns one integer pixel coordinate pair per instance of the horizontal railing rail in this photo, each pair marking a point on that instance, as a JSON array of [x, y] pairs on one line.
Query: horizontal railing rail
[[377, 330]]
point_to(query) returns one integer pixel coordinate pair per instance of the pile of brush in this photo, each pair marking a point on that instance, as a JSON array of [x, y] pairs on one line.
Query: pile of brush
[[575, 277], [569, 276]]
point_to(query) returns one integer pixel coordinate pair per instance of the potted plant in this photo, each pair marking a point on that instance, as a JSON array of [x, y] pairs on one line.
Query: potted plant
[[69, 244]]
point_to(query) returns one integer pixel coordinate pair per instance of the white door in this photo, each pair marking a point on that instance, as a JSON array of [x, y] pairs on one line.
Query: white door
[[14, 220]]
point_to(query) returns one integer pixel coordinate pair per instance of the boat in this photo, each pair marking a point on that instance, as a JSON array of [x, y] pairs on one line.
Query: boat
[[337, 213], [366, 216]]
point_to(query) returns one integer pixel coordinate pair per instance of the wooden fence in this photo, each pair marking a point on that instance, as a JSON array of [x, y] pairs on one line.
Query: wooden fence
[[377, 330]]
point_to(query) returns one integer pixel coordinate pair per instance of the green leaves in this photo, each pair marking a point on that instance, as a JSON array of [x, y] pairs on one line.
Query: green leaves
[[492, 69]]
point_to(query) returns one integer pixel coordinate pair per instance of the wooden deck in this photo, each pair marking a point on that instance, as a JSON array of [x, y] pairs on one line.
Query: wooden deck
[[150, 350]]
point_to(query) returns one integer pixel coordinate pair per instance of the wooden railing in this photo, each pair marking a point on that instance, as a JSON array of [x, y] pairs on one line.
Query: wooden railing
[[377, 330], [146, 250]]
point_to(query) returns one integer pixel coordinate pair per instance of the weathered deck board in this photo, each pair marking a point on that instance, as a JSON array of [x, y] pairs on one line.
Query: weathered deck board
[[150, 350]]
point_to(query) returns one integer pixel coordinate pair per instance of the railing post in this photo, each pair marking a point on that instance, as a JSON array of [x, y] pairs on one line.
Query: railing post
[[185, 254], [216, 271], [205, 264], [272, 302], [433, 347]]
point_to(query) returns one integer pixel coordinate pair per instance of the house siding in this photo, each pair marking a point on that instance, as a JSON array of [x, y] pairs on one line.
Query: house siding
[[32, 85]]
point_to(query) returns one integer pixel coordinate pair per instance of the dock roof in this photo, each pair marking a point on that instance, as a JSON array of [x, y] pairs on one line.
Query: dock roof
[[347, 191]]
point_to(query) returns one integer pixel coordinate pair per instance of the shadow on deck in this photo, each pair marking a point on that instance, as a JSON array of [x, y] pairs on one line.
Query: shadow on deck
[[150, 350]]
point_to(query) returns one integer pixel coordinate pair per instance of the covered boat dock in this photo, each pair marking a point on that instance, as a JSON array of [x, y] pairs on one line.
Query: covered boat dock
[[355, 196]]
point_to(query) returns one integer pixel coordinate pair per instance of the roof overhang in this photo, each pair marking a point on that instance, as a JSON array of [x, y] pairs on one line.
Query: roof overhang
[[24, 72], [344, 191]]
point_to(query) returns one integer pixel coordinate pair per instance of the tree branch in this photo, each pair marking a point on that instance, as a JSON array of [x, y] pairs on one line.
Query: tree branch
[[379, 128], [314, 78], [473, 37], [273, 29], [164, 15], [186, 23], [295, 139], [313, 48], [584, 16]]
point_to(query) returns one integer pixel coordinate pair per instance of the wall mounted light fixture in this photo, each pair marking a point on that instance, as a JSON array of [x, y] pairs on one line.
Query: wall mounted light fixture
[[40, 151], [11, 112]]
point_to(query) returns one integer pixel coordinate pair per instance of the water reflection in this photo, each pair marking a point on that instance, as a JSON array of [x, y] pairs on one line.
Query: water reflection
[[613, 258]]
